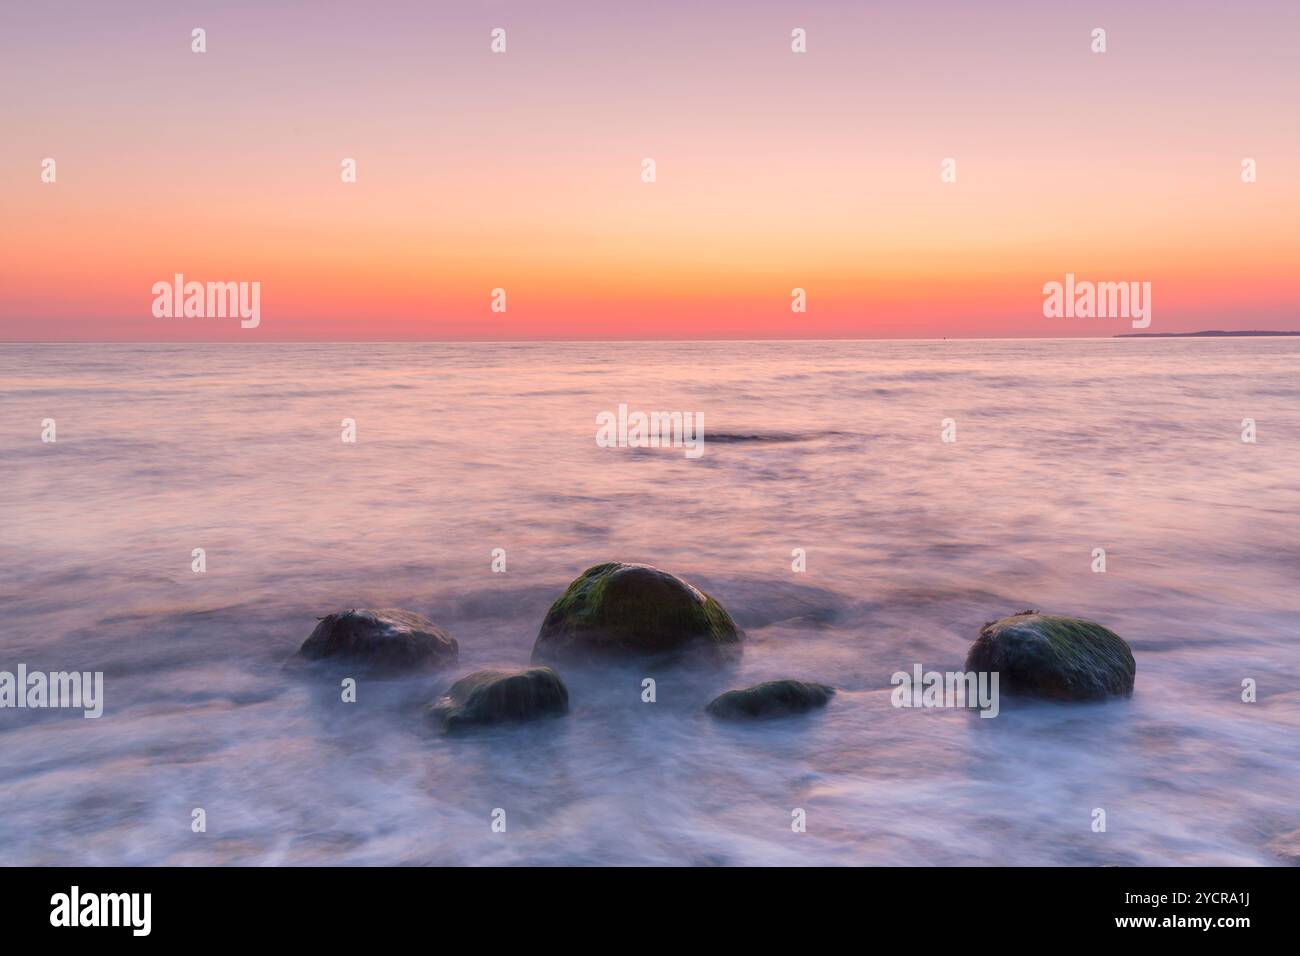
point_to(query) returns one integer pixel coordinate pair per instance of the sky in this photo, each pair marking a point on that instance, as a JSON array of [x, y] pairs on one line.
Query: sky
[[522, 170]]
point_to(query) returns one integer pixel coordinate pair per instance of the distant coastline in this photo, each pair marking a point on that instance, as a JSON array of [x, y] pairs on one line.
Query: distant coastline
[[1208, 334]]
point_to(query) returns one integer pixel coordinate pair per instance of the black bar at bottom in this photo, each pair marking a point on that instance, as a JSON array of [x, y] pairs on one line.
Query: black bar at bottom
[[335, 906]]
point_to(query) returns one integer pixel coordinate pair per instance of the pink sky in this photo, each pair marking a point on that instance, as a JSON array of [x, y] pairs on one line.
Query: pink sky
[[521, 170]]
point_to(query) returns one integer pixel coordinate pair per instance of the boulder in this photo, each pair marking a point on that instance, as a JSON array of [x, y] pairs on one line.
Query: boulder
[[495, 696], [1064, 658], [385, 640], [773, 698], [633, 609]]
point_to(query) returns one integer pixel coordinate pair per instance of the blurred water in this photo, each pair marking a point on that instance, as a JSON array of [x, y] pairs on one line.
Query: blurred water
[[1063, 446]]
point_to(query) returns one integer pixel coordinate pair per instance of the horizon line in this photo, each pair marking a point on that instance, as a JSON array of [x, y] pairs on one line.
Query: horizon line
[[1207, 333]]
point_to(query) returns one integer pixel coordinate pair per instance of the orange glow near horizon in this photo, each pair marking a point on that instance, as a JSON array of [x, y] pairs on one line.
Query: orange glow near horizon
[[775, 171]]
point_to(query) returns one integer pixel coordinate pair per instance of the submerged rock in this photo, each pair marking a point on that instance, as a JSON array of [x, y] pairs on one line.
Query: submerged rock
[[387, 639], [634, 609], [773, 698], [493, 696], [1065, 658]]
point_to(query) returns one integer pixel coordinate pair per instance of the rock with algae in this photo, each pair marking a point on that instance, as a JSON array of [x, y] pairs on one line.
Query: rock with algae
[[1063, 658], [633, 609]]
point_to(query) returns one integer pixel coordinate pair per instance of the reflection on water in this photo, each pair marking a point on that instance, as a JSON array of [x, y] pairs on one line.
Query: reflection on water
[[832, 447]]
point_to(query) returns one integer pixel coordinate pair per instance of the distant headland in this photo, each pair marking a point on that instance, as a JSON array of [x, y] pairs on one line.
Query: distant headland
[[1207, 334]]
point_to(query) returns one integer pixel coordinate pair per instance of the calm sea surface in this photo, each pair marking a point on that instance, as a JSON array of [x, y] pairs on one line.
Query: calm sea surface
[[834, 447]]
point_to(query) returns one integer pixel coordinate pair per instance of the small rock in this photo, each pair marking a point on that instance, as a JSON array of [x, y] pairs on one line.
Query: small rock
[[774, 698], [1064, 658], [492, 696], [385, 639]]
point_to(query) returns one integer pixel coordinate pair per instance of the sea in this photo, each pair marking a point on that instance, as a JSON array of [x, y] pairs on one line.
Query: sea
[[177, 517]]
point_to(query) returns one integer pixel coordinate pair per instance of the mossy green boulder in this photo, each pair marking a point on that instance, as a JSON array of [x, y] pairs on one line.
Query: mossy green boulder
[[384, 639], [1064, 658], [498, 696], [773, 698], [634, 610]]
